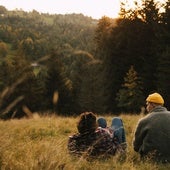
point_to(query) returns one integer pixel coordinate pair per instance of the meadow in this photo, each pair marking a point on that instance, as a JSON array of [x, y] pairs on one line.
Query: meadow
[[40, 143]]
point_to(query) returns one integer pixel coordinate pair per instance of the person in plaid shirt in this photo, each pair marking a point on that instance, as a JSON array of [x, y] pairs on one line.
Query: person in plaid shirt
[[91, 140]]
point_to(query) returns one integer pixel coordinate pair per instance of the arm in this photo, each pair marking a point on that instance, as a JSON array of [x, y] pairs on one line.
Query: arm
[[72, 145], [139, 136]]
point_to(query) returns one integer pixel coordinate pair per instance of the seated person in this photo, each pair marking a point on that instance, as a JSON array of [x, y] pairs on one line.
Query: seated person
[[152, 133], [90, 140]]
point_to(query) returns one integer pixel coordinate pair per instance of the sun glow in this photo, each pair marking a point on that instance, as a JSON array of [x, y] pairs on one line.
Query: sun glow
[[93, 8]]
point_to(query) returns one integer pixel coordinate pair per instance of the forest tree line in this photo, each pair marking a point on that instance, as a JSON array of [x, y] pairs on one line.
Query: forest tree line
[[68, 64]]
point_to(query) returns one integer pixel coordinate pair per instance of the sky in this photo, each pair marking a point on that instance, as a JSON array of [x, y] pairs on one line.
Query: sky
[[93, 8]]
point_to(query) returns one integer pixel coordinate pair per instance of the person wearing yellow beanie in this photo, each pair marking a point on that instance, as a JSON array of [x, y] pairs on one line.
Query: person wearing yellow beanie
[[152, 134], [154, 100]]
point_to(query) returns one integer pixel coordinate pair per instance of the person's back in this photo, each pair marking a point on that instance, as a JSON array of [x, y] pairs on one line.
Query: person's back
[[156, 128], [161, 124], [92, 144], [152, 135]]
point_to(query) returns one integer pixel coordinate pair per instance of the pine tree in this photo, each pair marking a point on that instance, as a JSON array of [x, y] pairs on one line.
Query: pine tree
[[130, 97]]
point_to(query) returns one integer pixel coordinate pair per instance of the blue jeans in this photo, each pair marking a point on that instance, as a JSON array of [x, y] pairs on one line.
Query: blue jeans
[[116, 126], [102, 122]]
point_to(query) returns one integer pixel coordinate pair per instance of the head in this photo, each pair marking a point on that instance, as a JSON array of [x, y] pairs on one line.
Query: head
[[102, 122], [87, 123], [154, 100]]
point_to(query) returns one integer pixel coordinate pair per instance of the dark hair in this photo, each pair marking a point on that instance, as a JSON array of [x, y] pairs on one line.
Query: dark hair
[[87, 123]]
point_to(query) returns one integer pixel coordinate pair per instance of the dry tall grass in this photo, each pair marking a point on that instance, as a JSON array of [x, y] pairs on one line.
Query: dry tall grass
[[41, 144]]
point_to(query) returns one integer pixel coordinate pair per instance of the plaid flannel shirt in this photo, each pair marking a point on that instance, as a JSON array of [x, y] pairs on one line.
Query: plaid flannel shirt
[[92, 144]]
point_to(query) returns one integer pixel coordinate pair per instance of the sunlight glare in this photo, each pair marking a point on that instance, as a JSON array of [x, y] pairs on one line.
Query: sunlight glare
[[92, 8]]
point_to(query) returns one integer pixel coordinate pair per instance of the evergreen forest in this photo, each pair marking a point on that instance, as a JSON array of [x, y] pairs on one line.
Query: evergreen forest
[[68, 64]]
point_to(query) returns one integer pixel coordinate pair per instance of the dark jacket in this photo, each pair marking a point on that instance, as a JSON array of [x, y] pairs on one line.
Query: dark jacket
[[152, 134]]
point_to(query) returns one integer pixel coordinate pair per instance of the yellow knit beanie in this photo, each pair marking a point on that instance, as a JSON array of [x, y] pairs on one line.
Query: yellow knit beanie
[[155, 98]]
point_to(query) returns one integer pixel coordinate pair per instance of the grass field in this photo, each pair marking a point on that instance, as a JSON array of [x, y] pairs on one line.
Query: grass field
[[40, 143]]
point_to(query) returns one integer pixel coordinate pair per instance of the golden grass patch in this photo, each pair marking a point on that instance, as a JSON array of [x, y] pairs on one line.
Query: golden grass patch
[[41, 143]]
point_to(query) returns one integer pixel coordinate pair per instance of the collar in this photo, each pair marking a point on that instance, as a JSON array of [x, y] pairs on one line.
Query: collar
[[159, 109]]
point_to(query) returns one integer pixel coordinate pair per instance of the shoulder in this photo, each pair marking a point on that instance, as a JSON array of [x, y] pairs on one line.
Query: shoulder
[[150, 120], [144, 119], [74, 137], [144, 123], [102, 131], [102, 134]]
